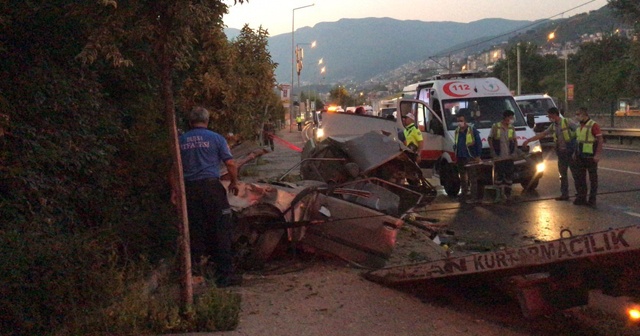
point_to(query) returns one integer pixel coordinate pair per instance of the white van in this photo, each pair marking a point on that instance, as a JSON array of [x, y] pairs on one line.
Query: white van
[[482, 100], [537, 105]]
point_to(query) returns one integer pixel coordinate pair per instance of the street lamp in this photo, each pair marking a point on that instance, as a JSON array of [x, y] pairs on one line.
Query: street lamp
[[299, 66], [300, 57], [323, 70], [565, 55], [293, 20]]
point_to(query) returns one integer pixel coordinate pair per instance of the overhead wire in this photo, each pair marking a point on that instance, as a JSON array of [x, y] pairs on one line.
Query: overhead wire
[[535, 23]]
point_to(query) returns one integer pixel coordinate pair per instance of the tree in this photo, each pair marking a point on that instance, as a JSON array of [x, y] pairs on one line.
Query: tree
[[604, 76], [533, 68], [629, 10], [339, 95]]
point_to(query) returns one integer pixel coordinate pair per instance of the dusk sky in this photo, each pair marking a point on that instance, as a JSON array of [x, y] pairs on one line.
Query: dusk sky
[[276, 15]]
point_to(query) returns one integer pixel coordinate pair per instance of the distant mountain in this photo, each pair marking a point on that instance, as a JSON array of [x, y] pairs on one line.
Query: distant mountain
[[359, 49], [231, 33], [356, 50]]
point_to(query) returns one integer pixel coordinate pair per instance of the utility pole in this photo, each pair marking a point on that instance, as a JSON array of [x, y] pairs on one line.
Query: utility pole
[[518, 65], [293, 20]]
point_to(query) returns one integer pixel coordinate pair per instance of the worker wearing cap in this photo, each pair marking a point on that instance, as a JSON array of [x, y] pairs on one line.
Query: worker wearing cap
[[412, 135]]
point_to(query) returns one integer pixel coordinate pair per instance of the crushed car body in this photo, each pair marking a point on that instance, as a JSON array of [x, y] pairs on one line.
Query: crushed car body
[[354, 196]]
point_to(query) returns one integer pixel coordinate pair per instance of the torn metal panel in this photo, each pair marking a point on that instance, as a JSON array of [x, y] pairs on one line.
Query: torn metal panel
[[371, 150], [362, 190], [357, 221], [349, 125], [337, 160], [360, 220]]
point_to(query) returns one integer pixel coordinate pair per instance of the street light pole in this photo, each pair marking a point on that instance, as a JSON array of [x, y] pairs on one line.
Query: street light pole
[[566, 82], [299, 64], [565, 54], [293, 18]]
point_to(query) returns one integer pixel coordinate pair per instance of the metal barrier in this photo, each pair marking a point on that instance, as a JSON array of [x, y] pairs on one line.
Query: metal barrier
[[621, 133]]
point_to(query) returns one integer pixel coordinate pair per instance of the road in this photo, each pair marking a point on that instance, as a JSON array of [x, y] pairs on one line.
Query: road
[[536, 216]]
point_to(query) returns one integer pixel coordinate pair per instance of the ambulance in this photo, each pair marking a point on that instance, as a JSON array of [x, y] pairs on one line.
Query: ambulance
[[482, 100]]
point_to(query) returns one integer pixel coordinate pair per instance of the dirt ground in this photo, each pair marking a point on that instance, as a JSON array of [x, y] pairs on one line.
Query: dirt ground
[[301, 294], [312, 295], [325, 297]]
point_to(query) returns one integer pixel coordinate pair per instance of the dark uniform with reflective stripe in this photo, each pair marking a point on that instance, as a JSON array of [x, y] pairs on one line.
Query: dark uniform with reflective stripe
[[202, 152]]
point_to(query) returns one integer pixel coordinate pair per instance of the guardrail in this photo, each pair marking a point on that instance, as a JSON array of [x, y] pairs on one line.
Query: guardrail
[[621, 133]]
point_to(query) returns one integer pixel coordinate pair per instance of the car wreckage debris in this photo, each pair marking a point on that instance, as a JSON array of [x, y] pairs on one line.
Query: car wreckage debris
[[352, 210]]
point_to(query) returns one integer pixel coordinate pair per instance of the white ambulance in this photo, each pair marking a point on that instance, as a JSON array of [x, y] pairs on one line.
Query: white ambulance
[[438, 100]]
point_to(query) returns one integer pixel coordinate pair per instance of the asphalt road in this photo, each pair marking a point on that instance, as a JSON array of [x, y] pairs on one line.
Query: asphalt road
[[536, 216]]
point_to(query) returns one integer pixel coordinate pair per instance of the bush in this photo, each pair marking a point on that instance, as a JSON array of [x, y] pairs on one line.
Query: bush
[[145, 311]]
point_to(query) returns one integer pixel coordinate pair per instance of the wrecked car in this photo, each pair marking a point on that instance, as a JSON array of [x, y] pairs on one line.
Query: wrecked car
[[354, 196]]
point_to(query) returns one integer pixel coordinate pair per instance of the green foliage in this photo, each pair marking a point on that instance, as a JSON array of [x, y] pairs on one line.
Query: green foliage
[[217, 310], [603, 76], [143, 310], [83, 175], [51, 280], [533, 69], [235, 80], [340, 96], [602, 72], [629, 10]]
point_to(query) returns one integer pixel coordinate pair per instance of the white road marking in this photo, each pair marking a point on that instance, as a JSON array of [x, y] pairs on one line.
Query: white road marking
[[632, 213], [619, 171], [622, 149]]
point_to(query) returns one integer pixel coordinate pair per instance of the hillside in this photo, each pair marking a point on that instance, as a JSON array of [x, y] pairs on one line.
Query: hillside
[[356, 50]]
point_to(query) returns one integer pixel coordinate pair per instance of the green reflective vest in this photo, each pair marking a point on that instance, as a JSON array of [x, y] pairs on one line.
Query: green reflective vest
[[498, 127], [567, 133], [495, 137], [412, 136], [585, 138], [469, 139]]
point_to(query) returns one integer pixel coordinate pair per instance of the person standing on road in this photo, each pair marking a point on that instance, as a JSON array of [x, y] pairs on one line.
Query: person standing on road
[[503, 145], [299, 121], [587, 154], [412, 135], [564, 137], [468, 148], [208, 209], [268, 131]]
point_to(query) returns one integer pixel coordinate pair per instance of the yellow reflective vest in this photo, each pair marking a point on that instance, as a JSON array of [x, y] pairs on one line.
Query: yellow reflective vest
[[586, 140], [567, 133]]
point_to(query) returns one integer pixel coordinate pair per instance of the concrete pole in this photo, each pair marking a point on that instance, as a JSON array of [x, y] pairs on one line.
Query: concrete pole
[[293, 18], [518, 66]]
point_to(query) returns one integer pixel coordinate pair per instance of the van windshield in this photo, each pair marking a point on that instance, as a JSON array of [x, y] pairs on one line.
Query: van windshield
[[538, 106], [481, 112]]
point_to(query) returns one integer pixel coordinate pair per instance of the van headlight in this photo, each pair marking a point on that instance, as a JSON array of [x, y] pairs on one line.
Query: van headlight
[[535, 149], [319, 133]]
